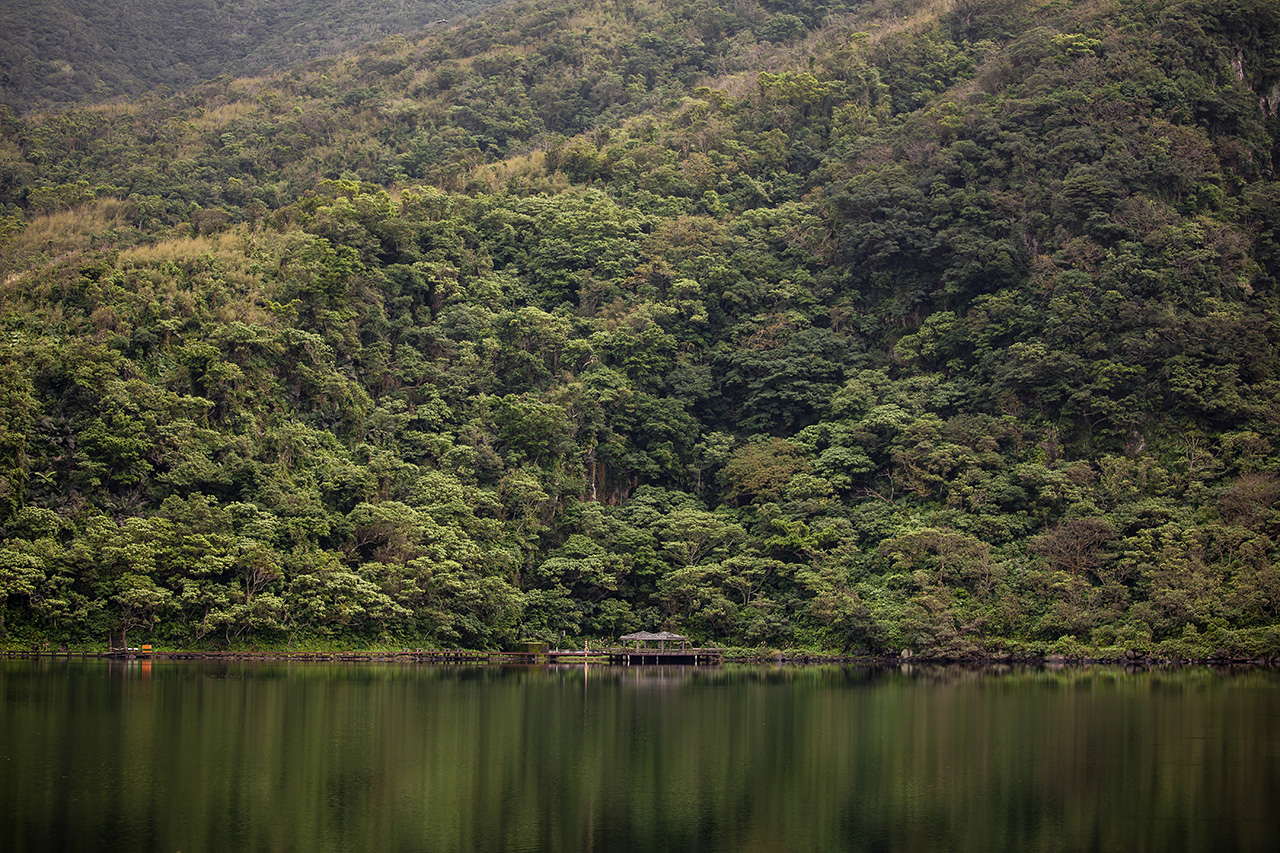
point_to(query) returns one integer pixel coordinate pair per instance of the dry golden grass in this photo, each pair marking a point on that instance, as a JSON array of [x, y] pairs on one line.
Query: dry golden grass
[[223, 115], [924, 14], [736, 86], [233, 249], [174, 249], [71, 230], [233, 285], [421, 76], [521, 173], [531, 163], [9, 150], [221, 272]]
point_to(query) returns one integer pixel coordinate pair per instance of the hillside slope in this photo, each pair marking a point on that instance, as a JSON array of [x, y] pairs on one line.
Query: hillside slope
[[941, 326], [58, 52]]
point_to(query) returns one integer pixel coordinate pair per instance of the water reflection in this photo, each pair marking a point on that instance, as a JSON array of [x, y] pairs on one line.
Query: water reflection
[[134, 755]]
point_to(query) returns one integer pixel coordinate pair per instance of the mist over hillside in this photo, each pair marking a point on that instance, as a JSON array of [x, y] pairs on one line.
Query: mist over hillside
[[58, 52], [942, 326]]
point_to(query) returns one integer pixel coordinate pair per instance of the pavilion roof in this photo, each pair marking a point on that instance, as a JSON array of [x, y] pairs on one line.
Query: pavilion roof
[[643, 636]]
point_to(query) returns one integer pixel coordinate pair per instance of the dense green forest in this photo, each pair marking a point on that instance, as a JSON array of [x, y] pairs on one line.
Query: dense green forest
[[63, 51], [902, 324]]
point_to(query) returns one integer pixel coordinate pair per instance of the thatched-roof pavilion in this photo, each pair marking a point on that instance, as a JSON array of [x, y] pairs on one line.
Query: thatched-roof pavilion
[[662, 637]]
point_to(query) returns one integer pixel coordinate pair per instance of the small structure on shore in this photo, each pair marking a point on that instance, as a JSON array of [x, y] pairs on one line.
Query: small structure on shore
[[649, 648], [662, 637]]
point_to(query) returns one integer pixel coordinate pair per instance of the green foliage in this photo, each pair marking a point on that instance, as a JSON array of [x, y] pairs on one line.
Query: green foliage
[[956, 335]]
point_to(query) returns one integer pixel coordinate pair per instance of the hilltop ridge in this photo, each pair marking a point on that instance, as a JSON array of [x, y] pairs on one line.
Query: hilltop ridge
[[60, 52]]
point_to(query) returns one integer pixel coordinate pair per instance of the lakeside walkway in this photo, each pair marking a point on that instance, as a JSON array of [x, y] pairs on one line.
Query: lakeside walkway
[[614, 656]]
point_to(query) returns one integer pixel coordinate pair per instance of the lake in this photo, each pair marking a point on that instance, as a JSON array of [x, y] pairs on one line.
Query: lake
[[194, 756]]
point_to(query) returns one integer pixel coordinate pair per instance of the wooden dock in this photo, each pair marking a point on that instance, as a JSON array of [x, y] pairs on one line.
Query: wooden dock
[[667, 657]]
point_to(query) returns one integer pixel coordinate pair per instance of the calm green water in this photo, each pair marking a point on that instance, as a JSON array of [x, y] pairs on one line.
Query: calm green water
[[317, 757]]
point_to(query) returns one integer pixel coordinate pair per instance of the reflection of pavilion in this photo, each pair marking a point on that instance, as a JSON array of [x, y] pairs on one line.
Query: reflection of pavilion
[[662, 655]]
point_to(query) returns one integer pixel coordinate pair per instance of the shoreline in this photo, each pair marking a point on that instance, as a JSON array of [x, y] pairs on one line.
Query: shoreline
[[453, 657]]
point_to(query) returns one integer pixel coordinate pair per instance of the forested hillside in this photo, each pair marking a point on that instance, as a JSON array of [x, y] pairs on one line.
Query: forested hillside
[[64, 51], [941, 326]]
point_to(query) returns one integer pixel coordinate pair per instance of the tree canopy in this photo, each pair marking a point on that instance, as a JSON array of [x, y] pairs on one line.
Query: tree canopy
[[868, 326]]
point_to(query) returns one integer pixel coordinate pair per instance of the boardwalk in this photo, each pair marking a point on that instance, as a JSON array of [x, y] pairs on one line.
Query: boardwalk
[[668, 657], [444, 657]]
